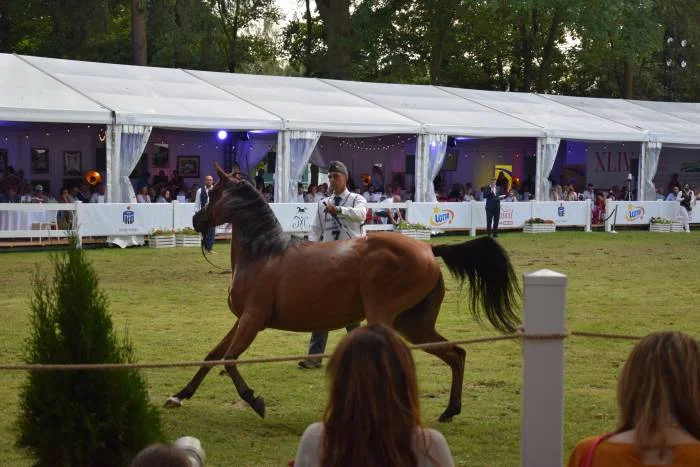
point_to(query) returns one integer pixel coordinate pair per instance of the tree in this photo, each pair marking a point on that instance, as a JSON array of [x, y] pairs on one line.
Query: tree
[[138, 31], [80, 418], [335, 15]]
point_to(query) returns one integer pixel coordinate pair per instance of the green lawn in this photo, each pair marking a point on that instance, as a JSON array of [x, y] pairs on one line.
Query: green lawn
[[174, 305]]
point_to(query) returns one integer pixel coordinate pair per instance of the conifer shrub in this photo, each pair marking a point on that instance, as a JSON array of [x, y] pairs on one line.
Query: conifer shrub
[[80, 418]]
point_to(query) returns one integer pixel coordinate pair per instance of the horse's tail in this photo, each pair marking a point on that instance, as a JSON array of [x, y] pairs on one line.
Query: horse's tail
[[492, 281]]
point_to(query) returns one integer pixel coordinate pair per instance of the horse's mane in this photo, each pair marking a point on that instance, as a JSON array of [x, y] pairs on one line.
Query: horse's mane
[[252, 218]]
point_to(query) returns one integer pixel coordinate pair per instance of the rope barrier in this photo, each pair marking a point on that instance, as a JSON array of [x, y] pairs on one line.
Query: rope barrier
[[519, 335]]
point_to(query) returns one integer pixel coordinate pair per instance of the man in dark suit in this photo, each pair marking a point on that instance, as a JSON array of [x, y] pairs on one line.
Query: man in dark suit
[[492, 195]]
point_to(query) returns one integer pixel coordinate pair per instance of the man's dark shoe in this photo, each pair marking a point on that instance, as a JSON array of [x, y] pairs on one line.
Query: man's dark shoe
[[308, 364]]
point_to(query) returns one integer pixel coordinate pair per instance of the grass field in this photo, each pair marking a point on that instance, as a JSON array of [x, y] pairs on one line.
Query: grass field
[[175, 308]]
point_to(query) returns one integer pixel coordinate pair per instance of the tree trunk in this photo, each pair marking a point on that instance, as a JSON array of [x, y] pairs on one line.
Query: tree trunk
[[442, 21], [628, 83], [548, 53], [5, 26], [527, 33], [138, 32], [307, 39], [335, 15]]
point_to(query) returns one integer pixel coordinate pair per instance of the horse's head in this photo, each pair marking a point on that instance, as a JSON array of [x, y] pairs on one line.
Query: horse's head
[[213, 214]]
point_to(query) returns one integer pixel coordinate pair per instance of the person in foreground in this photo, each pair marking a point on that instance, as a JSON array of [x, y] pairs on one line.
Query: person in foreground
[[658, 396], [372, 416]]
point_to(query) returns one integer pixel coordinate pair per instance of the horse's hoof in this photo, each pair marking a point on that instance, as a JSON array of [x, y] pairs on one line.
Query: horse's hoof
[[172, 403], [448, 414], [259, 406], [445, 418]]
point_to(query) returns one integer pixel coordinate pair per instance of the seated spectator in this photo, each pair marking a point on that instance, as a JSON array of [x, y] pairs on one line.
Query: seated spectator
[[100, 194], [570, 194], [673, 195], [373, 404], [658, 397], [164, 196], [394, 215], [457, 193], [469, 193], [143, 196], [39, 196], [10, 197], [512, 196], [659, 194], [589, 193], [598, 208], [84, 193], [160, 179], [556, 194], [300, 193]]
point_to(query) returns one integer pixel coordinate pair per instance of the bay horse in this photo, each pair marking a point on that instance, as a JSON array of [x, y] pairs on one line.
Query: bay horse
[[386, 278]]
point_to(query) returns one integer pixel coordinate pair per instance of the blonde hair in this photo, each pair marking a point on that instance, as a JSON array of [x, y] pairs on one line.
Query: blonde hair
[[660, 386]]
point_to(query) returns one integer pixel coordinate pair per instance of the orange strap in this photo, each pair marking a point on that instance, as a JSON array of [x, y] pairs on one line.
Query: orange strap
[[587, 460]]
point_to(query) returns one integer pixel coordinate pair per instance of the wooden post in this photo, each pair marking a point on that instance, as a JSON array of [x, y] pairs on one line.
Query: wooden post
[[542, 416]]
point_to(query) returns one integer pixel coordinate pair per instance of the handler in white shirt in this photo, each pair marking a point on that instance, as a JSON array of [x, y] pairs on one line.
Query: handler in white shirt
[[340, 216]]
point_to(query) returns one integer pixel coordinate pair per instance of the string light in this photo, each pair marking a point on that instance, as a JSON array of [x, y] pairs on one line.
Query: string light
[[349, 143]]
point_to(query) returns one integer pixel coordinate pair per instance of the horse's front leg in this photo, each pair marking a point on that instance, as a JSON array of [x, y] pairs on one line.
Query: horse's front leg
[[216, 354], [248, 327]]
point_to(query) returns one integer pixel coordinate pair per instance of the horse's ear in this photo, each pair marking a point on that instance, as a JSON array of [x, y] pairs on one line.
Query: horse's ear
[[220, 170]]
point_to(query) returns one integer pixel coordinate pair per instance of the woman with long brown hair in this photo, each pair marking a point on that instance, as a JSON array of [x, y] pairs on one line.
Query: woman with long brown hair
[[372, 417], [658, 396]]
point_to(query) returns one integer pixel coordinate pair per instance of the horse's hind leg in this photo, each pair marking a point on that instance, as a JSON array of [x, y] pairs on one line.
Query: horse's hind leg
[[242, 338], [216, 354], [418, 326]]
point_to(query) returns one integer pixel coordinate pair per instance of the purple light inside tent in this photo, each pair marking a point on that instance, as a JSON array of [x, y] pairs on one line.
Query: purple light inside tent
[[463, 138], [222, 135], [262, 132]]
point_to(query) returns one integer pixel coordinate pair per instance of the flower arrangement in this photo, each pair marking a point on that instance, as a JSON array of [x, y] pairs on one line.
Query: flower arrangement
[[537, 220], [186, 231], [162, 233], [660, 220], [408, 226]]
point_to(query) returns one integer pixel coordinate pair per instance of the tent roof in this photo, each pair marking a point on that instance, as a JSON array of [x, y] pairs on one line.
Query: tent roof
[[311, 104], [163, 97], [689, 111], [558, 120], [662, 127], [28, 95], [439, 111]]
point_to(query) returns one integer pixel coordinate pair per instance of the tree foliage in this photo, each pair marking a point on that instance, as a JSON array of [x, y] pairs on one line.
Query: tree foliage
[[613, 48], [80, 418]]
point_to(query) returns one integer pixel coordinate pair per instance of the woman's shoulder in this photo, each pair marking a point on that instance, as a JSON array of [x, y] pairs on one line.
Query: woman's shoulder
[[580, 450], [438, 450]]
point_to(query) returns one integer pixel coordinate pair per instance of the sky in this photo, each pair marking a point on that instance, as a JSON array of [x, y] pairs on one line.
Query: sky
[[288, 7]]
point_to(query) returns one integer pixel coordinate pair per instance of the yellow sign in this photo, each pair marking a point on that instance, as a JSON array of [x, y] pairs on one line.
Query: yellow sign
[[507, 171]]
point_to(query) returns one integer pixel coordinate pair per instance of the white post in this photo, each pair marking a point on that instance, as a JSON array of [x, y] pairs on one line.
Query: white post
[[589, 215], [419, 177], [282, 167], [472, 206], [538, 168], [542, 413], [641, 196]]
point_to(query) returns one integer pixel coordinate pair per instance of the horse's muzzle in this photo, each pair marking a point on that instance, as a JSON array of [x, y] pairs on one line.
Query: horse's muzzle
[[200, 221]]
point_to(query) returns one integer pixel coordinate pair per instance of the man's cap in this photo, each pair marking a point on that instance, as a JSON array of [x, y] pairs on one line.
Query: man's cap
[[337, 166], [39, 188]]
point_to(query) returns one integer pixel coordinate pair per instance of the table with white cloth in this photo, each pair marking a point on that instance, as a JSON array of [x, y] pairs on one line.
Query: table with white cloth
[[23, 220]]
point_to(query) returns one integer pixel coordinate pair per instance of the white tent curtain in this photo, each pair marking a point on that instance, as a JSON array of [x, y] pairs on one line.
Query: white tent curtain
[[433, 148], [301, 145], [547, 149], [652, 151], [133, 143]]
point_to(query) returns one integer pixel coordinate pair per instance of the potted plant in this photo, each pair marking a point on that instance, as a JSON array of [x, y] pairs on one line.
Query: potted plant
[[417, 231], [187, 237], [659, 224], [538, 225], [161, 238]]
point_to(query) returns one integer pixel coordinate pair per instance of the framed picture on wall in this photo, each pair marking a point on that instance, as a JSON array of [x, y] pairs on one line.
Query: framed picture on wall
[[72, 163], [161, 155], [450, 162], [188, 166], [39, 160], [3, 160]]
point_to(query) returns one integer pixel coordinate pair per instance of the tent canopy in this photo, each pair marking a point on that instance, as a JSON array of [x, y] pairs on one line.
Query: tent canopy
[[662, 127], [163, 97], [558, 120], [29, 95], [311, 104], [439, 111], [36, 89]]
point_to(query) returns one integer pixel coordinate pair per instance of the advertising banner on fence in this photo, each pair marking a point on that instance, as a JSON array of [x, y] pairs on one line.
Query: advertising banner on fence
[[101, 219], [441, 216], [640, 212], [295, 217], [562, 212], [182, 215]]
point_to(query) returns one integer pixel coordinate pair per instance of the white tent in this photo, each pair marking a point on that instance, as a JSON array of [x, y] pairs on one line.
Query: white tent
[[131, 100], [28, 95]]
